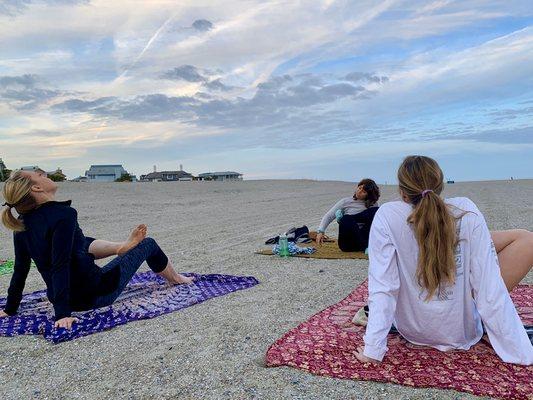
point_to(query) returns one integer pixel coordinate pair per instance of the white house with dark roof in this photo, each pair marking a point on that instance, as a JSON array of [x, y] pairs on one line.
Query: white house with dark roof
[[166, 176], [220, 176], [105, 173]]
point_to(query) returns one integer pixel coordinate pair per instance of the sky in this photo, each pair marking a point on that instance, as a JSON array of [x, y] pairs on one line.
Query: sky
[[336, 90]]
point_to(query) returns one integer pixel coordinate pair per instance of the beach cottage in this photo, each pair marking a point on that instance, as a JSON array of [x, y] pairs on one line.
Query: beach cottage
[[167, 176], [105, 173], [57, 173], [220, 176]]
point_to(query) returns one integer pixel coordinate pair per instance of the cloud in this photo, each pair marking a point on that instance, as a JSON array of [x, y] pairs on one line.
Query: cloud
[[154, 107], [507, 114], [274, 100], [510, 136], [217, 85], [505, 136], [22, 93], [187, 73], [202, 25], [25, 81], [14, 7], [365, 77], [42, 133]]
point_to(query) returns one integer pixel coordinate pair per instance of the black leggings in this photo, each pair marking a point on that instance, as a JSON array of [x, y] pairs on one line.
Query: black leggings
[[128, 264], [351, 237]]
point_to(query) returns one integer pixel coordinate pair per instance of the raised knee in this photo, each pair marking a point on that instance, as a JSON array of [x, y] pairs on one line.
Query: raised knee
[[148, 240], [525, 234]]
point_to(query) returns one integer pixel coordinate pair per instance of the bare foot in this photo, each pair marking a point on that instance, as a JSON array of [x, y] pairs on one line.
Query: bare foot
[[180, 279], [173, 277], [136, 237]]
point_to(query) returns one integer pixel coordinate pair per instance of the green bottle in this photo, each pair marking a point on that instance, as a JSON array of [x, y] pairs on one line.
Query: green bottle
[[283, 244]]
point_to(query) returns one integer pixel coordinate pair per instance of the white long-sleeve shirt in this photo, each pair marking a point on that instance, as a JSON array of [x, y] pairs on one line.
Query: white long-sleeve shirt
[[348, 205], [452, 318]]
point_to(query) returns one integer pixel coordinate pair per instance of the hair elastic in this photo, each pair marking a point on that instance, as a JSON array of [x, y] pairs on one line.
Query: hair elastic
[[7, 204], [425, 192]]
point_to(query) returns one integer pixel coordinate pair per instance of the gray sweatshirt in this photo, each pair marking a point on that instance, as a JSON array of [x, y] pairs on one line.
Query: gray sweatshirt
[[348, 205]]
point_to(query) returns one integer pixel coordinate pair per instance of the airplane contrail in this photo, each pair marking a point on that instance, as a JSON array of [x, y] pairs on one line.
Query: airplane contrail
[[152, 39]]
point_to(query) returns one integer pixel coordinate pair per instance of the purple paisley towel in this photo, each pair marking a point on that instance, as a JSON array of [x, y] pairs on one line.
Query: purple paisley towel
[[146, 296]]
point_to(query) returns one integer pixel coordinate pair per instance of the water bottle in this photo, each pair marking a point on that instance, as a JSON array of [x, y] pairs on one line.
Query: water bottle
[[283, 244]]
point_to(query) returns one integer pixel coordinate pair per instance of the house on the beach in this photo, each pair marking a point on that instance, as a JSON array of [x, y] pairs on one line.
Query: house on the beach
[[105, 173], [31, 168], [58, 173], [79, 179], [220, 176], [167, 176]]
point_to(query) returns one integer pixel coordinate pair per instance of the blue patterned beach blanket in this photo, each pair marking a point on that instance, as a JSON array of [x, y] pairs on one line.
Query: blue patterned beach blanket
[[294, 249], [146, 296]]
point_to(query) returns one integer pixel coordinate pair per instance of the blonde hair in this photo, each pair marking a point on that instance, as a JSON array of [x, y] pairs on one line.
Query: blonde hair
[[422, 181], [17, 195]]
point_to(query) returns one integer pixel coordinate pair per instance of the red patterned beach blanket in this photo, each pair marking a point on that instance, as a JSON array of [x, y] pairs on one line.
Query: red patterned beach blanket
[[325, 345]]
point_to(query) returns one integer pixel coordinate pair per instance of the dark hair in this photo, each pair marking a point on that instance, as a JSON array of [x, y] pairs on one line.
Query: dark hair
[[372, 190]]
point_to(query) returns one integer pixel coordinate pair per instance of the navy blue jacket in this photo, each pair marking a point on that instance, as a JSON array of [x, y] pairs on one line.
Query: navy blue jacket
[[54, 240]]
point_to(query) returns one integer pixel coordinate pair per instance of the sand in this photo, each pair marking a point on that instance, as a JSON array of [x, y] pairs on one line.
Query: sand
[[216, 350]]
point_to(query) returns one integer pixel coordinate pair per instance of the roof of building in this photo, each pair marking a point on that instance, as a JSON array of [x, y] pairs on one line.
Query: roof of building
[[159, 175], [102, 169], [219, 173], [107, 165]]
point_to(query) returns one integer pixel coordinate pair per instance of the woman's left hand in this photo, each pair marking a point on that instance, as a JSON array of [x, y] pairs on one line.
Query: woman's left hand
[[364, 359]]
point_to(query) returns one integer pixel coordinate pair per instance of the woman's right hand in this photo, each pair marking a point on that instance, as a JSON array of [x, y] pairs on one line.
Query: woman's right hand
[[319, 239], [65, 322], [3, 314]]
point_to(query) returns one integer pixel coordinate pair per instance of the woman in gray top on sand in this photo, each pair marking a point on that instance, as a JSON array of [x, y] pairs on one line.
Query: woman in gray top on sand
[[354, 215]]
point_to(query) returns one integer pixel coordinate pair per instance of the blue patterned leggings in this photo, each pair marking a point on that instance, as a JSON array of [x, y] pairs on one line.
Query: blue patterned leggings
[[128, 264]]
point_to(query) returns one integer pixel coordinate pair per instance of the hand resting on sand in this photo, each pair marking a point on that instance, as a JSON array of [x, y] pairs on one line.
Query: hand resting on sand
[[319, 239]]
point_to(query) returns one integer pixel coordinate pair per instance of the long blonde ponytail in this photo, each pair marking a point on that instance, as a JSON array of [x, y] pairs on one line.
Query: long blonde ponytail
[[17, 195], [422, 181]]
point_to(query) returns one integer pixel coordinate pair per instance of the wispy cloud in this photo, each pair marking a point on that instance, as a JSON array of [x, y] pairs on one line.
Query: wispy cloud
[[15, 7], [23, 92]]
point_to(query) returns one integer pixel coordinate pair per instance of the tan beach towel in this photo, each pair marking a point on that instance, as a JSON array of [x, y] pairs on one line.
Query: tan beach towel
[[329, 250]]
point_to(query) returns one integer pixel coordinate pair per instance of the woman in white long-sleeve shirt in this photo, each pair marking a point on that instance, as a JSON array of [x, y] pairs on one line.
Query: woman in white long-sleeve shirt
[[434, 272]]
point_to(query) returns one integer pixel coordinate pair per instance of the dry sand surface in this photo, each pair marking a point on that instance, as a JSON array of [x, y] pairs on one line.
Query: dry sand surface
[[216, 350]]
